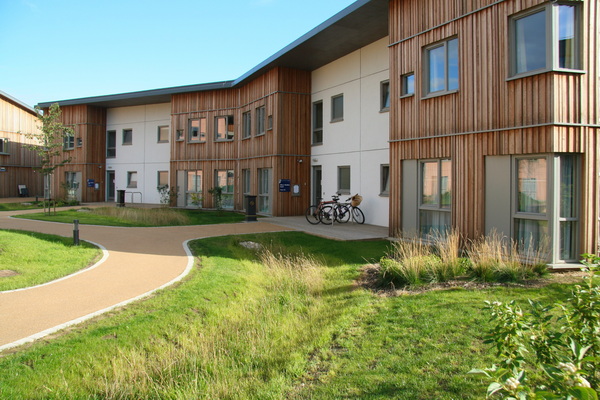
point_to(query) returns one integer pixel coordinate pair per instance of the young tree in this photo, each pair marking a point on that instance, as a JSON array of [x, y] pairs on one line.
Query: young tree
[[49, 144]]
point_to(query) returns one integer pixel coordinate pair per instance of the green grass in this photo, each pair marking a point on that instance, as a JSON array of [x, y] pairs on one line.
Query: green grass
[[139, 217], [295, 328], [39, 258], [19, 206]]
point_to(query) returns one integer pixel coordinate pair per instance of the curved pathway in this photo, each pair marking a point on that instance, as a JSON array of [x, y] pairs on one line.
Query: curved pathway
[[140, 261]]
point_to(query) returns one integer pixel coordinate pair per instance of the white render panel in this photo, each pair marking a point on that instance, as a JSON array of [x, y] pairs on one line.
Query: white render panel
[[145, 155], [360, 140]]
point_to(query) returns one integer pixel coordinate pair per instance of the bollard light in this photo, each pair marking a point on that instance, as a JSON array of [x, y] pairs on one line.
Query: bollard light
[[76, 232]]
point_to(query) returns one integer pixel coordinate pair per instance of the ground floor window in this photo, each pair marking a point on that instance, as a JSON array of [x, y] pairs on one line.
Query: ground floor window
[[193, 188], [435, 196], [224, 180], [264, 190]]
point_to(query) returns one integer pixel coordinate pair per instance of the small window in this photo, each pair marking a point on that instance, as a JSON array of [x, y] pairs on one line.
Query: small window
[[163, 134], [132, 179], [127, 136], [4, 145], [68, 141], [246, 125], [79, 142], [270, 123], [163, 179], [317, 136], [385, 96], [197, 130], [260, 121], [224, 128], [111, 144], [337, 108], [385, 181], [344, 180], [179, 135], [407, 83], [441, 64]]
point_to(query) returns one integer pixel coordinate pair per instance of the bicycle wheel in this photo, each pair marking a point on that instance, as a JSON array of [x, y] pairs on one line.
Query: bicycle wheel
[[312, 215], [327, 215], [343, 214], [357, 215]]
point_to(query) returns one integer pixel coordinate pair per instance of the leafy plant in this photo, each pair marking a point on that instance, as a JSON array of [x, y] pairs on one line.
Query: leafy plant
[[217, 193], [548, 352], [166, 194]]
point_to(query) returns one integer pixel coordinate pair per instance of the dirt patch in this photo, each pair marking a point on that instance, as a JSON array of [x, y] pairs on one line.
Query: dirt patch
[[5, 273], [369, 279]]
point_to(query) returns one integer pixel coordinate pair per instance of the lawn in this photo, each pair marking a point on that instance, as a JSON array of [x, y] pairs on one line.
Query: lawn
[[296, 327], [139, 217], [53, 258]]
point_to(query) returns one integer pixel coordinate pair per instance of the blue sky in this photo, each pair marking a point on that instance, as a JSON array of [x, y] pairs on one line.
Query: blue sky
[[64, 49]]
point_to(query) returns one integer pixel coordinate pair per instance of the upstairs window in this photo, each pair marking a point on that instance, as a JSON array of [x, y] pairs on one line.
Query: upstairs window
[[545, 38], [337, 108], [385, 96], [127, 136], [68, 141], [224, 128], [441, 67], [163, 134], [111, 144], [407, 84], [3, 145], [246, 125], [317, 136], [197, 130], [260, 121]]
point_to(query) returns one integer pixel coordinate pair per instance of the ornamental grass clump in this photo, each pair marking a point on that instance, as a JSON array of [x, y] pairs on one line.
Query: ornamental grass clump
[[149, 216]]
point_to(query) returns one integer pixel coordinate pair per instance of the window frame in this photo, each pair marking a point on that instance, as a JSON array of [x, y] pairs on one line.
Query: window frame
[[228, 135], [317, 131], [385, 96], [384, 180], [201, 131], [68, 141], [438, 207], [127, 137], [340, 189], [4, 146], [225, 193], [426, 82], [552, 28], [260, 120], [404, 85], [132, 184], [108, 147], [247, 125], [158, 178], [179, 135], [334, 109], [161, 129]]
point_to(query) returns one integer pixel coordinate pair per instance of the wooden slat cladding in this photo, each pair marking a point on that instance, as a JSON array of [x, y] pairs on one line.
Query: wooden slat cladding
[[18, 163], [285, 95], [490, 114], [89, 158]]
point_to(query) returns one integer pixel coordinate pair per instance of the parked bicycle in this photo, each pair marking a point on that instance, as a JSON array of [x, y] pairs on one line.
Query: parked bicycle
[[322, 212], [350, 209], [327, 212]]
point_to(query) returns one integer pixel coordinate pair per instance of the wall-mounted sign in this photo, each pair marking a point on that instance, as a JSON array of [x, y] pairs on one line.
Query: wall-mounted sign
[[285, 185], [2, 169], [91, 183]]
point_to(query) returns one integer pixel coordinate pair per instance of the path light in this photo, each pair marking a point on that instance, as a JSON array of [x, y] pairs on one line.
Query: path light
[[76, 232]]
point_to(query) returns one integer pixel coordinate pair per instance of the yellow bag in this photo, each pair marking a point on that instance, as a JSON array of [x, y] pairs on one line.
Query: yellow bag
[[356, 200]]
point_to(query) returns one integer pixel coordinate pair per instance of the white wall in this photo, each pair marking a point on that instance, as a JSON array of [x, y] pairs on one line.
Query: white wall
[[361, 139], [145, 155]]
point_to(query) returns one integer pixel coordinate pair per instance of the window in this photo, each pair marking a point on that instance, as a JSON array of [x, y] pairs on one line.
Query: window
[[344, 180], [4, 145], [317, 136], [260, 121], [270, 123], [337, 108], [162, 179], [407, 83], [132, 179], [163, 134], [246, 125], [246, 182], [545, 38], [68, 141], [435, 197], [197, 130], [179, 135], [224, 128], [111, 144], [385, 96], [385, 181], [193, 188], [79, 142], [441, 67], [264, 190], [224, 180], [127, 136]]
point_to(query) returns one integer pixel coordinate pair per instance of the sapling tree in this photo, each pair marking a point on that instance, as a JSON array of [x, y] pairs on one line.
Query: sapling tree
[[49, 144]]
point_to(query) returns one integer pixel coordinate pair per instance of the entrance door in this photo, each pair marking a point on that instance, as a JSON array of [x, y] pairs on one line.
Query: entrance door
[[110, 186], [73, 186], [317, 178]]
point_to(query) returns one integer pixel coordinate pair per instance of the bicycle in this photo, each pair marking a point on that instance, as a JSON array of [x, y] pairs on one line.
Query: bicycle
[[344, 211], [322, 212]]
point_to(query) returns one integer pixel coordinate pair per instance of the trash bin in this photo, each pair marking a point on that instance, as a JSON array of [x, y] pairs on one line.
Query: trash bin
[[250, 208], [120, 198]]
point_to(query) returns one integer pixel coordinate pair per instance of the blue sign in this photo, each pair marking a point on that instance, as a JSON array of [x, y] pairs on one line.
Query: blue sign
[[285, 185], [91, 183]]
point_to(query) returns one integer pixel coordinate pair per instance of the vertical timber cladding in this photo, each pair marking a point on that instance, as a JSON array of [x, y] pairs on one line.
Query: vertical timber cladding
[[89, 158], [489, 115], [285, 95]]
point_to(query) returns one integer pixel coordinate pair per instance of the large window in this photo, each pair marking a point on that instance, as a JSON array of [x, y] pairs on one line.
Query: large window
[[531, 217], [337, 108], [224, 180], [224, 128], [193, 188], [264, 190], [197, 130], [3, 145], [111, 144], [441, 67], [435, 196], [317, 114], [545, 38], [127, 136], [344, 179], [246, 125]]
